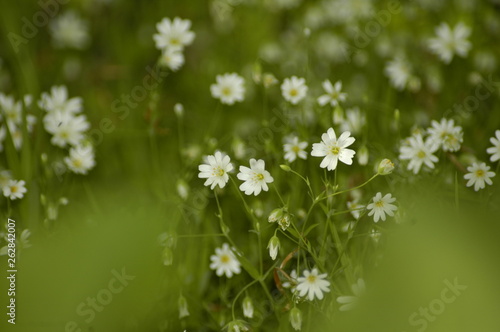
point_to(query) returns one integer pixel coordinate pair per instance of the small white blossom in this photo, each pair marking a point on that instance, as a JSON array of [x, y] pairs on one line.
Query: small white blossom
[[334, 150], [11, 109], [216, 169], [295, 149], [399, 72], [354, 120], [451, 41], [225, 262], [495, 149], [65, 128], [57, 101], [273, 246], [478, 176], [382, 206], [294, 89], [173, 59], [81, 159], [334, 94], [248, 307], [173, 35], [69, 30], [418, 153], [446, 135], [313, 284], [256, 177], [229, 88], [14, 189]]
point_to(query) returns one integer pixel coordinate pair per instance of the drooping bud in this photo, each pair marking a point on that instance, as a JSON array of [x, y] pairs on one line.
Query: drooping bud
[[247, 307], [183, 308], [385, 167], [273, 246], [296, 318]]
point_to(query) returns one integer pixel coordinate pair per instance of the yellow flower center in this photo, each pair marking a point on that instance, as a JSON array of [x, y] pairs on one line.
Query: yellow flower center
[[77, 163], [225, 259], [14, 189], [379, 204], [311, 279], [220, 172], [479, 173], [421, 154], [335, 150], [259, 176], [294, 92], [226, 91], [296, 149], [175, 41]]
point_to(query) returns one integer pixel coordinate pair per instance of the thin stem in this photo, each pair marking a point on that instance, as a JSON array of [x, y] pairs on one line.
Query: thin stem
[[241, 292], [351, 189]]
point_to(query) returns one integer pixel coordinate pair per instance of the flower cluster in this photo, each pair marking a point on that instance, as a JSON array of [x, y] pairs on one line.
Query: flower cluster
[[171, 38]]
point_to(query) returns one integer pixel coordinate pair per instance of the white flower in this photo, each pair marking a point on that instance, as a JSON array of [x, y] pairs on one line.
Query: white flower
[[333, 95], [11, 109], [68, 30], [248, 307], [399, 72], [348, 302], [313, 284], [446, 135], [224, 262], [354, 121], [81, 159], [478, 175], [229, 88], [334, 150], [291, 283], [5, 176], [495, 149], [216, 169], [65, 128], [57, 101], [294, 149], [171, 58], [294, 89], [355, 208], [174, 34], [3, 134], [382, 205], [14, 189], [418, 152], [449, 42], [256, 177]]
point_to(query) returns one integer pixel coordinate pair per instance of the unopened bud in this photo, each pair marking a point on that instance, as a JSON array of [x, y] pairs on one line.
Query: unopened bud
[[296, 318], [273, 246], [385, 167]]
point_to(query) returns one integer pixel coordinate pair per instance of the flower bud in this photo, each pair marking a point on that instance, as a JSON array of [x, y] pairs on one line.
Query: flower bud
[[269, 80], [183, 309], [247, 307], [363, 155], [385, 167], [182, 189], [168, 256], [275, 215], [179, 110], [273, 246], [286, 168], [296, 318]]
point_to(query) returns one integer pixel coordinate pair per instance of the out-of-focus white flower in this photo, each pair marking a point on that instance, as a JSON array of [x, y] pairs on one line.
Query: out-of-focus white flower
[[215, 170], [294, 149], [451, 41], [173, 34], [334, 94], [381, 206], [296, 318], [68, 30], [334, 150], [57, 101], [229, 88], [14, 189], [11, 109], [348, 302], [355, 208], [225, 262], [354, 121], [478, 175], [495, 149], [171, 58], [183, 307], [81, 159], [294, 89], [446, 135], [65, 128], [399, 72], [255, 178], [418, 153], [248, 307]]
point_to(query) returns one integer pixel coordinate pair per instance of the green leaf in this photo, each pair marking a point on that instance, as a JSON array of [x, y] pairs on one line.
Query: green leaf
[[252, 271], [310, 229]]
